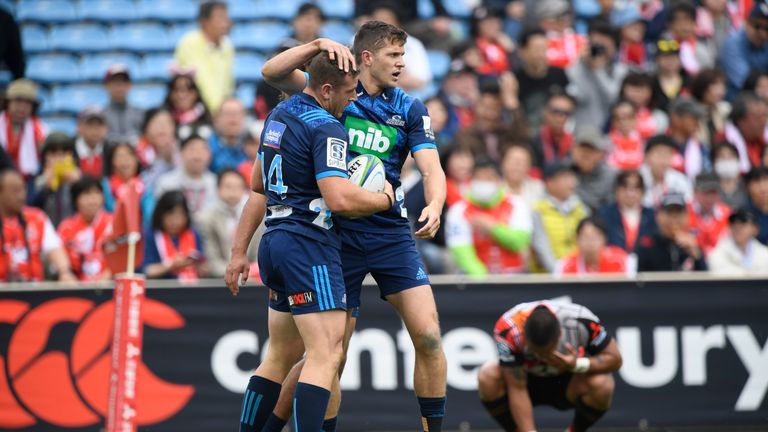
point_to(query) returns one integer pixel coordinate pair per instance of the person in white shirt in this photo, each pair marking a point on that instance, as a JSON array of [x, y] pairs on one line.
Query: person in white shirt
[[658, 175], [739, 253], [193, 177]]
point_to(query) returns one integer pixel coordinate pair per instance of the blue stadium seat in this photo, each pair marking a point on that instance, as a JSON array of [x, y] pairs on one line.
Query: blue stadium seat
[[93, 67], [247, 94], [47, 11], [44, 99], [108, 11], [79, 38], [248, 67], [73, 99], [458, 8], [9, 6], [427, 92], [338, 31], [146, 96], [154, 67], [425, 9], [178, 30], [264, 37], [66, 124], [34, 39], [440, 62], [283, 10], [168, 10], [342, 9], [54, 69], [141, 38]]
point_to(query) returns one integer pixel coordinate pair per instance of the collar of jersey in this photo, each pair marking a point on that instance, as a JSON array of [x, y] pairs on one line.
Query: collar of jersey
[[309, 99], [387, 94]]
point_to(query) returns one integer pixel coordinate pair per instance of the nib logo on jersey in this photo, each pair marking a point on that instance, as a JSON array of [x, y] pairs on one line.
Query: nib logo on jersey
[[370, 138]]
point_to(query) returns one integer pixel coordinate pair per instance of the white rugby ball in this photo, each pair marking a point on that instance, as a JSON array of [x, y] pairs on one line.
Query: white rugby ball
[[367, 171]]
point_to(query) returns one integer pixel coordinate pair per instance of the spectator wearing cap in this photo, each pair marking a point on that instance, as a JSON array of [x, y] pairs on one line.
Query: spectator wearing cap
[[226, 142], [22, 133], [596, 78], [192, 177], [594, 176], [418, 72], [757, 188], [123, 120], [708, 89], [486, 28], [642, 90], [209, 52], [564, 44], [555, 218], [52, 187], [658, 174], [306, 26], [708, 215], [536, 78], [627, 144], [696, 53], [632, 49], [747, 129], [489, 230], [672, 247], [746, 50], [626, 219], [553, 141], [739, 252], [725, 160], [516, 168], [90, 141], [717, 20], [693, 155], [593, 254], [671, 78]]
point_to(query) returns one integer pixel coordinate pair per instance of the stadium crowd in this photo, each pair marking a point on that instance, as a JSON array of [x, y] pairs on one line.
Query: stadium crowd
[[635, 140]]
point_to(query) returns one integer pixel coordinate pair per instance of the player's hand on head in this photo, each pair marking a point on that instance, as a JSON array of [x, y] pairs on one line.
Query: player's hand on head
[[431, 218], [237, 273], [338, 52], [564, 362]]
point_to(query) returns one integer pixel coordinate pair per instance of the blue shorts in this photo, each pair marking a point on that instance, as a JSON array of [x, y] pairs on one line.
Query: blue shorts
[[392, 260], [303, 275]]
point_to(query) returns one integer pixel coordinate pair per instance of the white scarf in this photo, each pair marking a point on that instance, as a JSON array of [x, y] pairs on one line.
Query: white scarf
[[28, 162]]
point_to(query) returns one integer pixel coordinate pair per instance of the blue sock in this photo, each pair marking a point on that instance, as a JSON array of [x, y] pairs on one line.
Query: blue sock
[[329, 425], [274, 424], [432, 413], [258, 402], [309, 404]]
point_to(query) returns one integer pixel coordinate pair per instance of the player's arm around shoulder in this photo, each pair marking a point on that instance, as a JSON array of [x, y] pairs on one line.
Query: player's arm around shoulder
[[516, 381], [283, 70]]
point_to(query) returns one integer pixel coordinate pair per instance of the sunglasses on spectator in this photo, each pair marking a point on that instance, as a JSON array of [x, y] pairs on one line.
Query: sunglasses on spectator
[[559, 112], [758, 26], [668, 46]]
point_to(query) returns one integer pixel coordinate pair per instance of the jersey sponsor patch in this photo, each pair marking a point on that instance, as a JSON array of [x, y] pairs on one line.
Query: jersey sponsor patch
[[337, 153], [367, 137], [302, 299], [273, 134], [428, 127]]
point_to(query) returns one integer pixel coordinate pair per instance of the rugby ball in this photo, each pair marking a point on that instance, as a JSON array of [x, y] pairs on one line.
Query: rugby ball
[[367, 171]]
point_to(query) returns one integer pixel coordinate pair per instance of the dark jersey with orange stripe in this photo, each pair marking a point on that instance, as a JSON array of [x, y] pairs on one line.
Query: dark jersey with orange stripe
[[578, 326]]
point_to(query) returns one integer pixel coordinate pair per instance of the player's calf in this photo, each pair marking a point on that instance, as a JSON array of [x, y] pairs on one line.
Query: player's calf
[[493, 395], [593, 395]]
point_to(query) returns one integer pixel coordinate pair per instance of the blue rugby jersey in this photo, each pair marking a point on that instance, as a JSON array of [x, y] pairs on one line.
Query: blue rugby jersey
[[388, 126], [300, 144]]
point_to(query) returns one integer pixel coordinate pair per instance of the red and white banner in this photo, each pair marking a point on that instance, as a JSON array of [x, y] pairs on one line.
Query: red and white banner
[[126, 353]]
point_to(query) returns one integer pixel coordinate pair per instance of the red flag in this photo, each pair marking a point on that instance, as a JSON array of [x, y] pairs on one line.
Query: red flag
[[126, 227]]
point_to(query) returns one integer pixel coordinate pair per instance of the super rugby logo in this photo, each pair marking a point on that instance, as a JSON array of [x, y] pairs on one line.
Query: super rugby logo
[[42, 385], [370, 138]]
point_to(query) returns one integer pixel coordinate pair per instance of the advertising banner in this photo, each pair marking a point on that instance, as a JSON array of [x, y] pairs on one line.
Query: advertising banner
[[695, 354]]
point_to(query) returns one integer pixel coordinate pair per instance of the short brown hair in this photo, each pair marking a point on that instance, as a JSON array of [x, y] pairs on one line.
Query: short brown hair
[[374, 35], [323, 70]]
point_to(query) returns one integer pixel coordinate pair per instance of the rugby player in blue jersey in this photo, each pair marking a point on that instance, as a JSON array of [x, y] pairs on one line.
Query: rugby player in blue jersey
[[386, 122], [302, 173]]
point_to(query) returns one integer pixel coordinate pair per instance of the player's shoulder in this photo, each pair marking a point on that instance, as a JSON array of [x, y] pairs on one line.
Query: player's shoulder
[[566, 311], [405, 103]]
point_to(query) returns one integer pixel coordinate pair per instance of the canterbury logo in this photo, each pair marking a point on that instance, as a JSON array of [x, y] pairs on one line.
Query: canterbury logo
[[43, 383]]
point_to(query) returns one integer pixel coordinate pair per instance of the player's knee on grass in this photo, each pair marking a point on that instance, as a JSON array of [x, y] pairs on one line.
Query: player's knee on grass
[[490, 383]]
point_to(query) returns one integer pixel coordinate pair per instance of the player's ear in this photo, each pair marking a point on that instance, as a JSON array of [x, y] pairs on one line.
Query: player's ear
[[366, 57], [325, 91]]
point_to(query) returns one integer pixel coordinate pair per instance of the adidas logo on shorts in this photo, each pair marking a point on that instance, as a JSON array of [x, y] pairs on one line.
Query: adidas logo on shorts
[[421, 274]]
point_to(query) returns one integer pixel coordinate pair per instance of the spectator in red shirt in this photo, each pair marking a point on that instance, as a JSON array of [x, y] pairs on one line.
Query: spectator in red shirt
[[486, 27], [565, 45], [251, 149], [90, 141], [708, 216], [593, 255], [640, 89], [684, 117], [553, 141], [459, 164], [627, 144], [84, 232], [747, 129], [123, 167]]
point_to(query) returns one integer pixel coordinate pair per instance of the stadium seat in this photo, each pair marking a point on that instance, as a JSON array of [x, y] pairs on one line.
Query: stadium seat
[[425, 9], [247, 94], [440, 62], [342, 9], [93, 68], [178, 30], [34, 39], [146, 96], [54, 69], [108, 11], [248, 67], [338, 31], [244, 10], [44, 99], [264, 37], [66, 124], [427, 92], [79, 38], [47, 11], [73, 99], [283, 10], [168, 10], [9, 6], [460, 9], [141, 38], [154, 67]]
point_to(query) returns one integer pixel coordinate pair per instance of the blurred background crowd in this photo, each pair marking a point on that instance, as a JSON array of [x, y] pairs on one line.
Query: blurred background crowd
[[583, 136]]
